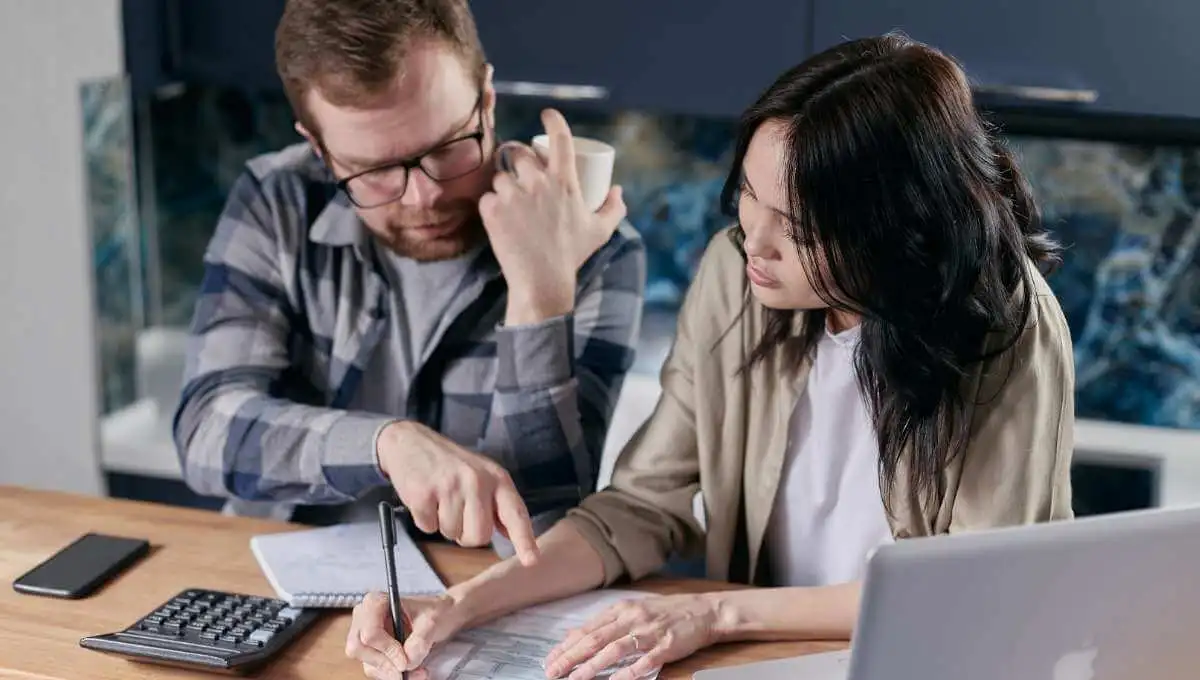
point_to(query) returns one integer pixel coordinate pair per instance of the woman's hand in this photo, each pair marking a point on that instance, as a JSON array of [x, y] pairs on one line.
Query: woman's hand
[[663, 629], [370, 641]]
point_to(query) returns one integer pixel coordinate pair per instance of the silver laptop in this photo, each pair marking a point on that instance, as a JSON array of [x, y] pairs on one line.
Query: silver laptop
[[1097, 598]]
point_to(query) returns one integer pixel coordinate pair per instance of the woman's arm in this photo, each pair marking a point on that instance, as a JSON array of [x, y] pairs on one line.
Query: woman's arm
[[824, 613], [666, 629], [568, 565]]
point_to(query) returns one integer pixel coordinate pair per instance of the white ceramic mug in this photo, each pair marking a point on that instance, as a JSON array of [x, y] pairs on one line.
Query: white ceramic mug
[[594, 162]]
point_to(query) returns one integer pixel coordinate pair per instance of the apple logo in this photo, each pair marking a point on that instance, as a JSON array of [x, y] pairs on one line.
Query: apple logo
[[1077, 665]]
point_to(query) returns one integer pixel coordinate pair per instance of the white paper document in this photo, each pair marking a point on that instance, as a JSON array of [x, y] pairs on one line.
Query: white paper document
[[514, 647]]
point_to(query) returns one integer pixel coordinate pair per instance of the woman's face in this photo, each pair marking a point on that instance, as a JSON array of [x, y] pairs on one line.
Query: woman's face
[[774, 268]]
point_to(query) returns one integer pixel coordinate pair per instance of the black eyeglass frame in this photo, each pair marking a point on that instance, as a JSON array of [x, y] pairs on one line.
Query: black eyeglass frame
[[409, 164]]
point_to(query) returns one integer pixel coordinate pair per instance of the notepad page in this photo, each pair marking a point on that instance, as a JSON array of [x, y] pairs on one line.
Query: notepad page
[[345, 560]]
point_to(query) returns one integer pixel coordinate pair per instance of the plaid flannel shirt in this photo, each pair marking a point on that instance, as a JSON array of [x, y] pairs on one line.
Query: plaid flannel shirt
[[291, 308]]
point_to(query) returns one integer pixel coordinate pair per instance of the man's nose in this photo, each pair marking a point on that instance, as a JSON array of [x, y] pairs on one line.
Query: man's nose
[[421, 192]]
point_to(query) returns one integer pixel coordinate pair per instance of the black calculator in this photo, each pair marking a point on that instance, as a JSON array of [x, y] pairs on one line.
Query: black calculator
[[209, 630]]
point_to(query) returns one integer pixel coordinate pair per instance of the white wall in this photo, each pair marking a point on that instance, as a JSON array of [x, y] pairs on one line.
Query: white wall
[[48, 394]]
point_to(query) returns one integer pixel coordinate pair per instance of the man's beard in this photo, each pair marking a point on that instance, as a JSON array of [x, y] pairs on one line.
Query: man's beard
[[466, 236]]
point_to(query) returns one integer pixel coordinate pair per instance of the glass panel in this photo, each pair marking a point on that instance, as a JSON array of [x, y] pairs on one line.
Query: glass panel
[[1130, 285], [116, 243]]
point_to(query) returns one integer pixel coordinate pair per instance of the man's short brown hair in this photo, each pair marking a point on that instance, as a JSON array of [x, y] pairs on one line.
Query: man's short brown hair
[[352, 49]]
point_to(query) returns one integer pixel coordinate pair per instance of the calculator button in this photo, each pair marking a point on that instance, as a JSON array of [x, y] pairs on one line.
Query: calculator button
[[210, 635], [289, 613], [262, 636]]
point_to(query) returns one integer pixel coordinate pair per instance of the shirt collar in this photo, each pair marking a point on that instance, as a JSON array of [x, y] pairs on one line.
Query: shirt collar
[[338, 225]]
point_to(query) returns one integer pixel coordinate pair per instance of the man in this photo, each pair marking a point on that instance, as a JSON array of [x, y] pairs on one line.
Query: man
[[383, 312]]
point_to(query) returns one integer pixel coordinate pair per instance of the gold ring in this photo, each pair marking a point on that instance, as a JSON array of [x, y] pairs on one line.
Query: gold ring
[[637, 647]]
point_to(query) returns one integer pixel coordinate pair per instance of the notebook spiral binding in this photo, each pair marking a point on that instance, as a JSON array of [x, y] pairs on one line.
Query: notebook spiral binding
[[331, 600], [337, 600]]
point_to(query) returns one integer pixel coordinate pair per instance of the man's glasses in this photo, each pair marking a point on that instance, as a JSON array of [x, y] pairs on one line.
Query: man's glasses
[[455, 158]]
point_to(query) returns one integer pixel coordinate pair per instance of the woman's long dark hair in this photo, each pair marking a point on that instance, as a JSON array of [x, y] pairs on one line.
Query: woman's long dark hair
[[923, 225]]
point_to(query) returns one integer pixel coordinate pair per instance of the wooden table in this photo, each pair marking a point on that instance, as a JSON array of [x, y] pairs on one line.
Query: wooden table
[[39, 636]]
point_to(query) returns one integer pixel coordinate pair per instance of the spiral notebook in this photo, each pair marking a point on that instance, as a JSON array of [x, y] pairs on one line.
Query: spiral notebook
[[337, 566]]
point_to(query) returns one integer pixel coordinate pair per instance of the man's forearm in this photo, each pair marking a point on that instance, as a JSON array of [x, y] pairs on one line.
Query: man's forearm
[[240, 442], [568, 565], [763, 614]]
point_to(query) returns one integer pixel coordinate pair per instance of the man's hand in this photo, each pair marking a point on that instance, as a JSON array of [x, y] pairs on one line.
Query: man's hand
[[372, 642], [452, 491], [540, 229]]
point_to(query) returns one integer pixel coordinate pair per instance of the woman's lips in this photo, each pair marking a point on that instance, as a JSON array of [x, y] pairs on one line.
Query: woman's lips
[[760, 278]]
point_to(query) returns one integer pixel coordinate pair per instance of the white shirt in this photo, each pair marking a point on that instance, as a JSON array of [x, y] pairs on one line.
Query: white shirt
[[828, 513]]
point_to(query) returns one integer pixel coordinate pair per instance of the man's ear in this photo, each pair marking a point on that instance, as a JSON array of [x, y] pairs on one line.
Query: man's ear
[[489, 97], [309, 137]]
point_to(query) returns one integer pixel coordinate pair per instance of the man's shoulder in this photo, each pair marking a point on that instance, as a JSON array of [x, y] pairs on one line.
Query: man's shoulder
[[282, 191], [296, 163], [626, 241], [620, 262]]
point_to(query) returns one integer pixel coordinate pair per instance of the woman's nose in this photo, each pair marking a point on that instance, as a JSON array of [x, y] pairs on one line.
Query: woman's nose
[[757, 244]]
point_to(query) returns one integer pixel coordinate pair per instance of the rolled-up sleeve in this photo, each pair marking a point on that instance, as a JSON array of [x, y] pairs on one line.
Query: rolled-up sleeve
[[646, 515]]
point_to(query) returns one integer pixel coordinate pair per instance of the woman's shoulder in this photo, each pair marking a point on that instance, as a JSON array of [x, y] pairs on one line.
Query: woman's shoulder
[[1047, 324], [1043, 348], [720, 278], [718, 295]]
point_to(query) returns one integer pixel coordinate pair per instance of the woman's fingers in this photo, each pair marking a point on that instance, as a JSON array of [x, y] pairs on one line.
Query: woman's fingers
[[612, 654], [586, 647]]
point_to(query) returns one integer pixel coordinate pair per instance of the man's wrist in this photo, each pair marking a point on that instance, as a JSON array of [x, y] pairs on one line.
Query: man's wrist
[[390, 440], [526, 307]]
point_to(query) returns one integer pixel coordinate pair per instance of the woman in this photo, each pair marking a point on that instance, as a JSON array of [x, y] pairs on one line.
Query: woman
[[870, 354]]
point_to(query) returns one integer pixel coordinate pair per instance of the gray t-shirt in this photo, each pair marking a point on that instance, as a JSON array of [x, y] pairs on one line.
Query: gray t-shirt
[[420, 304]]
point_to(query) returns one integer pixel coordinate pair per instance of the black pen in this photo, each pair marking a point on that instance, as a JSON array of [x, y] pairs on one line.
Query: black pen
[[387, 530]]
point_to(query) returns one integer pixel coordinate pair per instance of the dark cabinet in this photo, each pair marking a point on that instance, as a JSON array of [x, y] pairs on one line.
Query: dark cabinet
[[226, 42], [1106, 56], [708, 58], [214, 42], [713, 57]]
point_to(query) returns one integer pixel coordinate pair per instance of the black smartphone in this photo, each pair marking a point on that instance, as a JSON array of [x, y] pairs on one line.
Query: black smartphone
[[83, 566]]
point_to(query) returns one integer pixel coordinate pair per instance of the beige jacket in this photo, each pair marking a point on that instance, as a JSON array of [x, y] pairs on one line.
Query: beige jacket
[[724, 432]]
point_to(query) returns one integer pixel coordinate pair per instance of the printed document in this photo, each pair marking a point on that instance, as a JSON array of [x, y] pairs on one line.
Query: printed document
[[514, 647]]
